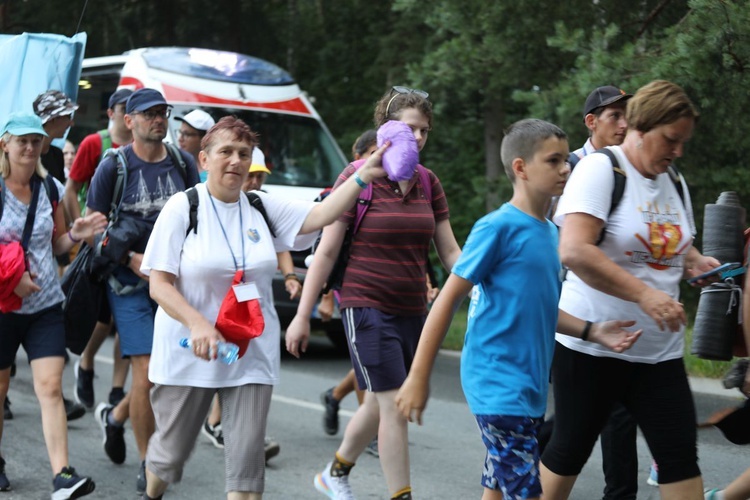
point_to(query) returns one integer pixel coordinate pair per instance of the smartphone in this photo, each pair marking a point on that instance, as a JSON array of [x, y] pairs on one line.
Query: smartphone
[[716, 271]]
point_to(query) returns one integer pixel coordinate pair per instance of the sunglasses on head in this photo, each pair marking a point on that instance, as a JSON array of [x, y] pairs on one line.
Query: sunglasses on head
[[397, 90]]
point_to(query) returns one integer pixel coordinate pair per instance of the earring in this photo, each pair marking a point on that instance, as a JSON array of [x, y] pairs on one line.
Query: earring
[[639, 144]]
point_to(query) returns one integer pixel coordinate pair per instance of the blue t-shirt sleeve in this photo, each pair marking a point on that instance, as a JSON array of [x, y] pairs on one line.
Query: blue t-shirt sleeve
[[480, 254], [193, 177], [99, 195]]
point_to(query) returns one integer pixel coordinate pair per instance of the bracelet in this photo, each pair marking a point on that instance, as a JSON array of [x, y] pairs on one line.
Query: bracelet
[[70, 236], [359, 180], [291, 276], [586, 330]]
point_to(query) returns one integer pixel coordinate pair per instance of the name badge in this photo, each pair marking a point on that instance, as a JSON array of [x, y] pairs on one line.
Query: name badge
[[246, 291]]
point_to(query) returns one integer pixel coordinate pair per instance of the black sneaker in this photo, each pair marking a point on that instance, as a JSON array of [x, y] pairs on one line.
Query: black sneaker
[[4, 483], [271, 448], [140, 481], [331, 412], [214, 434], [7, 413], [372, 448], [84, 389], [73, 410], [116, 395], [113, 439], [68, 484]]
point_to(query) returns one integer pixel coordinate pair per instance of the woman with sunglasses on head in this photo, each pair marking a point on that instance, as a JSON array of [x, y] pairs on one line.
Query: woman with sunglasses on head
[[382, 298]]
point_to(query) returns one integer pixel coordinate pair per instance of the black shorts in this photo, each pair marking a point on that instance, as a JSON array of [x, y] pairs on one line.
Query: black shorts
[[42, 334], [656, 395]]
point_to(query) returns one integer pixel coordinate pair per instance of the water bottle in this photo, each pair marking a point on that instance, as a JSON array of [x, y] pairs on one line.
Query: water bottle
[[228, 353]]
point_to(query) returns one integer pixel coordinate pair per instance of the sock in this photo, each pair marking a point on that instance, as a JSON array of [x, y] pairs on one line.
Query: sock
[[340, 467], [402, 494], [111, 420]]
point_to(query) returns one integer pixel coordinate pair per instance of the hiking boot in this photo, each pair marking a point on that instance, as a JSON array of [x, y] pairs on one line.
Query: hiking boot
[[113, 439], [84, 389], [116, 395], [68, 484], [214, 434], [4, 483], [73, 410], [7, 413], [333, 487], [330, 413], [372, 448], [271, 448], [140, 481], [735, 377]]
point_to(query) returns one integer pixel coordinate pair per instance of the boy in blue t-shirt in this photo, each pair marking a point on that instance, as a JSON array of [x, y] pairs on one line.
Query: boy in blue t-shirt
[[511, 266]]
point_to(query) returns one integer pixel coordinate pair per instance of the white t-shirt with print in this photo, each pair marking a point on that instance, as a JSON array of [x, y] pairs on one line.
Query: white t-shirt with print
[[648, 235], [204, 269]]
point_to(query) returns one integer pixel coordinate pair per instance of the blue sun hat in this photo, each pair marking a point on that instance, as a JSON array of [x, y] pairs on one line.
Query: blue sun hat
[[23, 123]]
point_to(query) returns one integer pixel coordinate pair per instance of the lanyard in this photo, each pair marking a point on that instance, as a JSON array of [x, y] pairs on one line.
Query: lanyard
[[223, 231]]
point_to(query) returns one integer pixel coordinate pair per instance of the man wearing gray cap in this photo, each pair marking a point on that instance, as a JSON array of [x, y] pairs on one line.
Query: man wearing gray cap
[[89, 154], [194, 126], [56, 111], [153, 172]]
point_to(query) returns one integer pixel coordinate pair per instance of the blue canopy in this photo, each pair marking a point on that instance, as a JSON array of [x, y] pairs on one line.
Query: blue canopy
[[35, 62]]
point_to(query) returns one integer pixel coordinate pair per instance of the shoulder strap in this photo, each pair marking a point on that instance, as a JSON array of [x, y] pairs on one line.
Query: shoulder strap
[[257, 203], [120, 182], [363, 200], [177, 159], [106, 140], [52, 194], [573, 160], [192, 195], [2, 195], [193, 200], [29, 226], [620, 177], [676, 178]]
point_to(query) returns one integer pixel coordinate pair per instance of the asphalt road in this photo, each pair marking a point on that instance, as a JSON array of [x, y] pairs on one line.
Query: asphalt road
[[446, 452]]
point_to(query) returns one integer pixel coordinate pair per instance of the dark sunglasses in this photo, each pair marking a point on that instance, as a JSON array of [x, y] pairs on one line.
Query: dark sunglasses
[[397, 90]]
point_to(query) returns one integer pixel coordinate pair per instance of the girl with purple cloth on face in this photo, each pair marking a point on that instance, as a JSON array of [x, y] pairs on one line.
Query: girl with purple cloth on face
[[383, 300]]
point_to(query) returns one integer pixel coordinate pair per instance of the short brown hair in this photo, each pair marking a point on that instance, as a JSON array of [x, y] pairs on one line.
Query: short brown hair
[[659, 103], [400, 102], [239, 129]]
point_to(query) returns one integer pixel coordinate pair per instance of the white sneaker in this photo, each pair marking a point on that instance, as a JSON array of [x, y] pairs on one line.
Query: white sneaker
[[336, 488]]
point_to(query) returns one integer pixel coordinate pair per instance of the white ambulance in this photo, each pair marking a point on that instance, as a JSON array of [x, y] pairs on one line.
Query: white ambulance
[[300, 151]]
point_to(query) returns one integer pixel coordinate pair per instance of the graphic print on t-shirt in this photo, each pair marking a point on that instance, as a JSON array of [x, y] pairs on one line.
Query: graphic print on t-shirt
[[147, 202], [664, 233]]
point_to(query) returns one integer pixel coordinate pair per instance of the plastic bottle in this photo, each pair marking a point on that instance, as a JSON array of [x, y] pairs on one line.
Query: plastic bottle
[[228, 352]]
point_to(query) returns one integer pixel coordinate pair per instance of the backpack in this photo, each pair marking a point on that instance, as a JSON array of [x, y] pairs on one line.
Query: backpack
[[620, 177], [49, 187], [336, 277], [253, 198], [106, 145]]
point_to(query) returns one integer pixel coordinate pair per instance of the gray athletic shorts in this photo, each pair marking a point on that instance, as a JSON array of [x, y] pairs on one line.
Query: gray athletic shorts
[[179, 413]]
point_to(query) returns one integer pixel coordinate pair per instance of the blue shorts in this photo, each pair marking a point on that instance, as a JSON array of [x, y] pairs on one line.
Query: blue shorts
[[381, 346], [134, 315], [42, 334], [512, 461]]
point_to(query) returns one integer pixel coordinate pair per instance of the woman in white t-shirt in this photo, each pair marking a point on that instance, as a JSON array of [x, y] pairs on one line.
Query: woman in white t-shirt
[[189, 278], [635, 272]]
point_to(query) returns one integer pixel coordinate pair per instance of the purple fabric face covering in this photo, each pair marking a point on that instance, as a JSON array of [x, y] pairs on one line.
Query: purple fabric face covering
[[402, 156]]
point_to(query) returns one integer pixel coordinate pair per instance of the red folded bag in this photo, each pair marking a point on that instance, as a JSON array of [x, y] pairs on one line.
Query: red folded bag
[[12, 267], [238, 322]]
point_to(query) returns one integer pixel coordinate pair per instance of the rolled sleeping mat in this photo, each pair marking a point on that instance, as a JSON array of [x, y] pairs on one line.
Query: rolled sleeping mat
[[723, 228], [716, 321]]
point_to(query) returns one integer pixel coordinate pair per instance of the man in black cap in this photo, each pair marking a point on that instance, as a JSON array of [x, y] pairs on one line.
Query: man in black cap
[[604, 116], [89, 154], [154, 173]]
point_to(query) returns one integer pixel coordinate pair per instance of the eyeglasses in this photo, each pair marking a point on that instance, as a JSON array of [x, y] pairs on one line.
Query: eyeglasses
[[189, 134], [150, 114], [397, 90]]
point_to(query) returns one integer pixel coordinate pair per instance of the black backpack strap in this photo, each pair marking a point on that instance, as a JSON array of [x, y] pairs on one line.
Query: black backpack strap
[[178, 160], [620, 177], [192, 195], [52, 193], [257, 203], [573, 160], [120, 181], [252, 197], [30, 215], [2, 195], [676, 178]]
